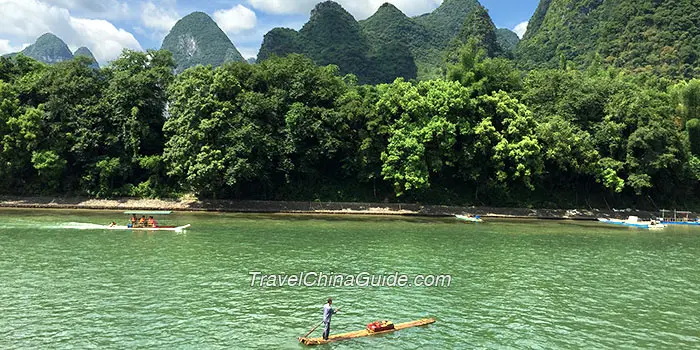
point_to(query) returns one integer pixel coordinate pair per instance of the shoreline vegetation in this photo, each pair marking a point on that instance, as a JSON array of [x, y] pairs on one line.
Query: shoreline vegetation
[[316, 208], [486, 134]]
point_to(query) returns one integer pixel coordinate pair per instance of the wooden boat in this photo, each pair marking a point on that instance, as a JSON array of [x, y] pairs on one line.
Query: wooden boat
[[157, 227], [469, 218], [634, 221], [364, 333]]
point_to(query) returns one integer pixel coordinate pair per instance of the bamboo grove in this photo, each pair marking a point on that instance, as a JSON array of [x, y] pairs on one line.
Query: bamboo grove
[[285, 129]]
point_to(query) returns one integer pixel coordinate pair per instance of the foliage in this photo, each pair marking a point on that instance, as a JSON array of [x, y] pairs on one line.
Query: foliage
[[288, 129], [686, 96], [484, 75], [507, 40], [646, 35], [479, 30], [693, 127]]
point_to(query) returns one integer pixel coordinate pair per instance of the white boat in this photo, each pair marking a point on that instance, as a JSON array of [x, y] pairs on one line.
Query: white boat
[[159, 228], [469, 218], [633, 221]]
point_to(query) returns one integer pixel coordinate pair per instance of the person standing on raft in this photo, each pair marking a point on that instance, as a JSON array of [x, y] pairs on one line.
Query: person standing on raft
[[328, 311]]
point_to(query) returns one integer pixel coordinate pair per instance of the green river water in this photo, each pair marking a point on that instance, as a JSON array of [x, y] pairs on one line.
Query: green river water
[[519, 285]]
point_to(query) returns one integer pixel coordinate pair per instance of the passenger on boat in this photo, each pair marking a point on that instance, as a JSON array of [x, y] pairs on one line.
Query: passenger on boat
[[133, 220], [142, 221], [328, 311], [113, 224], [152, 222]]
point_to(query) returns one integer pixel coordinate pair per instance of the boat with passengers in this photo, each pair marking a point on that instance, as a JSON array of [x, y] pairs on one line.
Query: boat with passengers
[[143, 220]]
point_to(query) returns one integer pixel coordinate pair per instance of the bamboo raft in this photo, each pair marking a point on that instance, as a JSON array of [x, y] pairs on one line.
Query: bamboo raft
[[364, 333]]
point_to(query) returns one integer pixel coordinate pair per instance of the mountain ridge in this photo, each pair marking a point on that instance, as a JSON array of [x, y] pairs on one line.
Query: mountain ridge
[[394, 44], [48, 48], [657, 36], [196, 39]]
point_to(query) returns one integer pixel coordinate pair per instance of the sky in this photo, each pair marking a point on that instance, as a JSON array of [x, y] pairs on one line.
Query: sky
[[108, 26]]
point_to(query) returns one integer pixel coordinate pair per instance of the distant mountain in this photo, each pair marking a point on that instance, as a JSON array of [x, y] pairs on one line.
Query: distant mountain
[[660, 36], [477, 26], [251, 60], [84, 51], [281, 42], [447, 20], [507, 40], [390, 24], [49, 48], [197, 39], [333, 36], [399, 44], [386, 45]]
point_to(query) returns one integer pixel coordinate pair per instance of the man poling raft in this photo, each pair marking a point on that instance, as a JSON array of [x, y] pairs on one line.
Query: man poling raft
[[377, 327]]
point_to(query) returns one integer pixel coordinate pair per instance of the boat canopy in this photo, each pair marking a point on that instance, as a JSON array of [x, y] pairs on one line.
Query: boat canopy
[[146, 212]]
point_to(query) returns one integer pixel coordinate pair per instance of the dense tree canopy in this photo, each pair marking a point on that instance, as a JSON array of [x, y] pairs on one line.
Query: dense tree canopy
[[288, 129]]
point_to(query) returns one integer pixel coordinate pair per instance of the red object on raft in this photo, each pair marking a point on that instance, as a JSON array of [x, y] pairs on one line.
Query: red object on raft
[[378, 326]]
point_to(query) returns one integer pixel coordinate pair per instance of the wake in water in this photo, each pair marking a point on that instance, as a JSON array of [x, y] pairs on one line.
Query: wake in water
[[77, 226]]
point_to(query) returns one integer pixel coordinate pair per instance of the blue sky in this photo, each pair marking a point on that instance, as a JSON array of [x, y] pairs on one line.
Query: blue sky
[[108, 26]]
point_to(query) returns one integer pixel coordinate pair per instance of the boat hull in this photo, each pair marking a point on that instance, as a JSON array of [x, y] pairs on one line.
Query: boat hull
[[365, 333], [637, 224], [686, 223], [161, 228], [468, 218]]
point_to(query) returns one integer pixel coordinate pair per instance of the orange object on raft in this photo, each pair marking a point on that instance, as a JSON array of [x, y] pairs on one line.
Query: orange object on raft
[[366, 332], [378, 326]]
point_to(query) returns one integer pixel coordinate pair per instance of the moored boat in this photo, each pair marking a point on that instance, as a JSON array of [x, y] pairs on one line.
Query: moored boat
[[679, 218], [634, 221], [366, 332], [468, 218]]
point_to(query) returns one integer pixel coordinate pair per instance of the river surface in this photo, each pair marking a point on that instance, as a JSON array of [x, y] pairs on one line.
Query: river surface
[[519, 285]]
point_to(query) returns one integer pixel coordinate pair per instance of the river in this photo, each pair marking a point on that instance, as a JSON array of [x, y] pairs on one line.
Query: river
[[513, 284]]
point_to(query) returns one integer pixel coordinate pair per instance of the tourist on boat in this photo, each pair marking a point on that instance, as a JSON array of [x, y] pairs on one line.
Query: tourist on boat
[[328, 311], [142, 221], [113, 224], [134, 220], [152, 222]]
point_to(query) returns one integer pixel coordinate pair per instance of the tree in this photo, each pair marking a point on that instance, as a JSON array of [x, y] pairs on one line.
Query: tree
[[136, 98], [482, 74], [686, 98]]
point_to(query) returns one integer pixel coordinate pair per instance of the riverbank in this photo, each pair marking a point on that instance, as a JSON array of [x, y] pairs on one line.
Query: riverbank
[[332, 208]]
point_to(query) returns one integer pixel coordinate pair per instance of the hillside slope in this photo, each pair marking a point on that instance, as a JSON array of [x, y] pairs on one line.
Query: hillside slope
[[660, 36]]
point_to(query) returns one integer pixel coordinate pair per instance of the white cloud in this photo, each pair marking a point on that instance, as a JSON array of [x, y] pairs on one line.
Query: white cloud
[[520, 29], [25, 20], [106, 41], [248, 52], [160, 17], [236, 19], [6, 47], [361, 9], [110, 9]]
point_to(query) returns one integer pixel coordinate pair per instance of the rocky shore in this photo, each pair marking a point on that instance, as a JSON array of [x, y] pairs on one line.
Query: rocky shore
[[333, 208]]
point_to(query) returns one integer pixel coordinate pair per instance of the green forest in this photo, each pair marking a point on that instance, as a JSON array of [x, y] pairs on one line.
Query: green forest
[[286, 129]]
